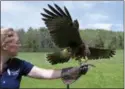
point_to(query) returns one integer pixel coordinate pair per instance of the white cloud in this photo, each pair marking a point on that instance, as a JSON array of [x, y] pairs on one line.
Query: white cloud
[[97, 17], [87, 5], [94, 20], [106, 26], [13, 6], [91, 18], [20, 15], [79, 4]]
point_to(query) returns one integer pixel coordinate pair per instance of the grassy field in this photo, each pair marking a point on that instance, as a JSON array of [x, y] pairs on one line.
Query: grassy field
[[107, 74]]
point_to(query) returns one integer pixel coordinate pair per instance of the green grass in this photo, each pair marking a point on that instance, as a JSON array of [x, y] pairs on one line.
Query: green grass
[[107, 74]]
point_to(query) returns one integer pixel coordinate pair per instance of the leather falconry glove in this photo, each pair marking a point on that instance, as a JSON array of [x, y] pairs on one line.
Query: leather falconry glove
[[71, 74]]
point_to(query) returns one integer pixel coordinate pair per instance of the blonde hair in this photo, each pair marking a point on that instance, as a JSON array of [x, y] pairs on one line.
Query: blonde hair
[[6, 36]]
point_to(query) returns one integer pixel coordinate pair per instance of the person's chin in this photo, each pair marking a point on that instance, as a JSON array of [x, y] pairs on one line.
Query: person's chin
[[15, 54]]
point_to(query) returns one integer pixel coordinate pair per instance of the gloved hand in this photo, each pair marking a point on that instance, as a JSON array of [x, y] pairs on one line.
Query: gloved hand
[[71, 74], [83, 69]]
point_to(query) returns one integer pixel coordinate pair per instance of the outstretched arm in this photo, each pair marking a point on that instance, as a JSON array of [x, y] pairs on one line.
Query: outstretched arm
[[41, 73], [66, 74]]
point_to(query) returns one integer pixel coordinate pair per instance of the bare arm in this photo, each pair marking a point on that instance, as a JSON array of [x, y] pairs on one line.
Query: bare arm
[[41, 73]]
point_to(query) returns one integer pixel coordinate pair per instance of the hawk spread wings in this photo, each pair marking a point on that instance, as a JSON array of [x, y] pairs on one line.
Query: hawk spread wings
[[65, 33]]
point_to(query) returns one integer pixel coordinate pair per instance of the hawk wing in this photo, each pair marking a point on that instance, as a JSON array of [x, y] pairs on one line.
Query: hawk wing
[[97, 53], [63, 31]]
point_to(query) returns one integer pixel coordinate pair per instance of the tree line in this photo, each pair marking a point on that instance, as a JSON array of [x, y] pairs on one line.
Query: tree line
[[39, 40]]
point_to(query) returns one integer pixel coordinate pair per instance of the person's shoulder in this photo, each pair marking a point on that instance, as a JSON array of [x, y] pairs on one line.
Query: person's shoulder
[[17, 61], [21, 61], [24, 66]]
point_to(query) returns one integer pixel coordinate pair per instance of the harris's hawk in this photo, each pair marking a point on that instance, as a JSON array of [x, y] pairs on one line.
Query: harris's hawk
[[65, 34]]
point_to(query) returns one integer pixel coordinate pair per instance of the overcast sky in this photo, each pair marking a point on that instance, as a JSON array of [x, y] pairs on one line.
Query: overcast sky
[[90, 14]]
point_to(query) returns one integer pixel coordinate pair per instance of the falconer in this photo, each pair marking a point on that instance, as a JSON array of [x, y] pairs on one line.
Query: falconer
[[13, 68]]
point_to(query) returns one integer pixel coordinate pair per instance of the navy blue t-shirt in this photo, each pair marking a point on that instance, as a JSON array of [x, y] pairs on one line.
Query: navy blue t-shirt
[[11, 77]]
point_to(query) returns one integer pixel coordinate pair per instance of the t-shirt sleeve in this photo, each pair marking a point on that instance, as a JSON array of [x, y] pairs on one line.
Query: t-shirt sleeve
[[26, 67]]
